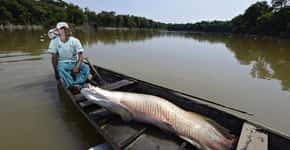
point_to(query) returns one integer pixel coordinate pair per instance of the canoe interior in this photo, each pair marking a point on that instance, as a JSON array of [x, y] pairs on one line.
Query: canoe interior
[[134, 135]]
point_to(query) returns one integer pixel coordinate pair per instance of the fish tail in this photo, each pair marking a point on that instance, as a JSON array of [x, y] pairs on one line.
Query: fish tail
[[219, 128], [219, 141], [225, 144], [230, 143]]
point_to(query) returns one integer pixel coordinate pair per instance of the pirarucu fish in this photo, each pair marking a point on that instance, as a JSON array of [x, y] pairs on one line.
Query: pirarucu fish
[[195, 129]]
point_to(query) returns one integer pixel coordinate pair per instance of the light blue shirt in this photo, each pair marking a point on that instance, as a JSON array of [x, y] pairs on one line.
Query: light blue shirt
[[68, 51]]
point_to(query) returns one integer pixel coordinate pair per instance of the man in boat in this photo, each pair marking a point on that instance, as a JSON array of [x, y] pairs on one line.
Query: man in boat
[[67, 58]]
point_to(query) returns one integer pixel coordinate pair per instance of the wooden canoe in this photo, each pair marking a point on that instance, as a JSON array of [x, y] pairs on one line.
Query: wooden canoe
[[138, 136]]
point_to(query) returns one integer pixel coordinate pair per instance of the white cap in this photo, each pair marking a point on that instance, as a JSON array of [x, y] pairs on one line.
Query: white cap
[[62, 24]]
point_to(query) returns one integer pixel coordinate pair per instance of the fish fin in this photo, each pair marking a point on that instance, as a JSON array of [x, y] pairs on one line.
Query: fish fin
[[224, 131], [166, 126], [192, 142], [125, 115], [219, 128], [122, 112]]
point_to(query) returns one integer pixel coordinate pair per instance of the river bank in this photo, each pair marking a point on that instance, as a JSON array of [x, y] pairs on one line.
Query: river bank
[[12, 27]]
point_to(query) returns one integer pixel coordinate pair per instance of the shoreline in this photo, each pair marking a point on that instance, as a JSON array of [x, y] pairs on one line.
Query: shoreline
[[128, 28], [12, 27], [264, 36]]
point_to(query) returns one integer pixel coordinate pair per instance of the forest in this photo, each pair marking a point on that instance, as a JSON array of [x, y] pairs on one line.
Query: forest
[[259, 18], [49, 12]]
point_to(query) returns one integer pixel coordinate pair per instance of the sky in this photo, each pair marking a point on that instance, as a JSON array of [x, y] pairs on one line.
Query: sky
[[171, 11]]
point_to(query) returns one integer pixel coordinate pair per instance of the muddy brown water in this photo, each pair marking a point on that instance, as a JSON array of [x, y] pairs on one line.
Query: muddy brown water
[[251, 74]]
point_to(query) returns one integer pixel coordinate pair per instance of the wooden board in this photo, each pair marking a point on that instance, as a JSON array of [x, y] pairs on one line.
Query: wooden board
[[118, 84], [252, 139]]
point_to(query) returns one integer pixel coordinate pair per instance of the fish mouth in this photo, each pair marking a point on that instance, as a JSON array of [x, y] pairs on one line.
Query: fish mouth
[[93, 96], [104, 102]]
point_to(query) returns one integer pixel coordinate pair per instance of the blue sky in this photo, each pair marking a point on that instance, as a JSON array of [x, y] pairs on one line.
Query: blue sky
[[171, 11]]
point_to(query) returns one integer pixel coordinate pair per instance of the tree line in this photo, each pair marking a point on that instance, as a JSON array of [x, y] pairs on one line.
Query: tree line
[[259, 18], [49, 12]]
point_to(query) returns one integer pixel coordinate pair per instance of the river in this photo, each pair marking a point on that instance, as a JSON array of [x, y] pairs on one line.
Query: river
[[250, 73]]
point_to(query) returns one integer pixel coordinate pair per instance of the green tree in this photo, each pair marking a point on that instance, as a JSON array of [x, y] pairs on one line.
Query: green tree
[[288, 28], [246, 23], [265, 23], [278, 4], [120, 21], [5, 15], [91, 17], [106, 19], [280, 20], [74, 15]]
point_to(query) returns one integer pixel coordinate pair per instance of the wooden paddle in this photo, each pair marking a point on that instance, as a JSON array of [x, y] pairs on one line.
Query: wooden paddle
[[102, 81]]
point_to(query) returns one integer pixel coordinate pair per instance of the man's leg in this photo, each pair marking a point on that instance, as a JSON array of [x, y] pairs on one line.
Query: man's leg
[[64, 71], [82, 76]]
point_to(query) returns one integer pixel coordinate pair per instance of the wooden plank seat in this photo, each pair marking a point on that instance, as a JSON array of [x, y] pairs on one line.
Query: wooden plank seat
[[154, 139], [118, 84], [122, 133]]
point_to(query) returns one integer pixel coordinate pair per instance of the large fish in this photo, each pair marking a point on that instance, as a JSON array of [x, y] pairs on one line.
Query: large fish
[[154, 110]]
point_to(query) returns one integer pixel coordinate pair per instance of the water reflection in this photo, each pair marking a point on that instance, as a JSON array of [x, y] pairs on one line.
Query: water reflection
[[31, 41], [20, 60], [23, 42], [269, 58], [114, 36]]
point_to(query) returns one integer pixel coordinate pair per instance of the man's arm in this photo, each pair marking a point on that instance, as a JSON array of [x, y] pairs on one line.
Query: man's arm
[[80, 60], [54, 65], [79, 49]]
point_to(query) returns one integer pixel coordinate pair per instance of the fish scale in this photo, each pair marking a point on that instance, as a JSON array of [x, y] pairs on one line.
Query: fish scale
[[164, 111], [159, 112]]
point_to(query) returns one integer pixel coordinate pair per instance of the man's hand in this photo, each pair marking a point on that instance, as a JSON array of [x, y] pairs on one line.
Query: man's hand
[[75, 71]]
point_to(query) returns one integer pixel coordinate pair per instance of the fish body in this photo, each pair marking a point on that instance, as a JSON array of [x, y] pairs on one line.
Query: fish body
[[157, 111]]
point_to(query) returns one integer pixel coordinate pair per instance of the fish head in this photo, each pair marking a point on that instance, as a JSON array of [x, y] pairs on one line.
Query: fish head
[[105, 99], [96, 97]]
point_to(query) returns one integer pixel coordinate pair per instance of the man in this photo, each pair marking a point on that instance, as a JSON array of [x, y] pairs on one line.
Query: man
[[67, 59]]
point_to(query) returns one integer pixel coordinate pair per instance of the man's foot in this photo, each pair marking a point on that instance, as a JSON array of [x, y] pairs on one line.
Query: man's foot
[[75, 89]]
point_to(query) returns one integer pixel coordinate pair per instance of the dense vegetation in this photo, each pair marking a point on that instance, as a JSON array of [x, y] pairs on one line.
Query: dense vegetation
[[259, 18], [205, 26], [49, 12]]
